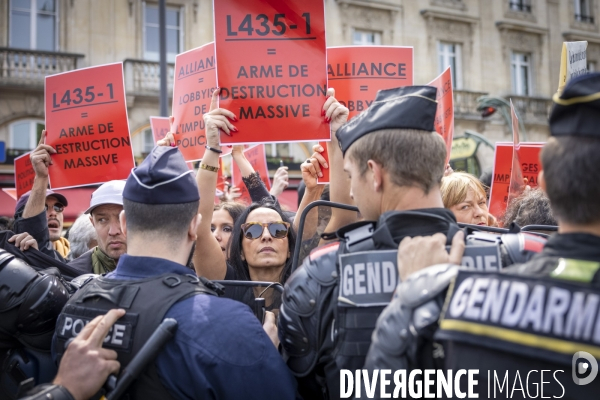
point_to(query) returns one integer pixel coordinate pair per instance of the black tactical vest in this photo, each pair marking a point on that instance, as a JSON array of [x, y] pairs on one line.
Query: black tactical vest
[[367, 278], [146, 302], [520, 331]]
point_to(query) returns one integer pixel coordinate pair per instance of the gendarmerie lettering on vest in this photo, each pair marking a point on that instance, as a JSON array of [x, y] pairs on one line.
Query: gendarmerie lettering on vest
[[554, 309], [369, 278]]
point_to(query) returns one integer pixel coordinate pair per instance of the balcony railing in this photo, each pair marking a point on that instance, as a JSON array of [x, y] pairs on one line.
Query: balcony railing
[[465, 104], [11, 154], [533, 110], [584, 18], [143, 77], [20, 67], [520, 5]]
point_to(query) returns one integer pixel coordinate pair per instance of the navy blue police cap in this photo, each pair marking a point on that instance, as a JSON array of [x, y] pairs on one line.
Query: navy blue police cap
[[409, 107], [576, 110], [162, 178]]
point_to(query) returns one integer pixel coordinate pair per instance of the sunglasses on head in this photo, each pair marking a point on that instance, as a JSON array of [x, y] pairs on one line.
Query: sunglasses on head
[[255, 230], [57, 207]]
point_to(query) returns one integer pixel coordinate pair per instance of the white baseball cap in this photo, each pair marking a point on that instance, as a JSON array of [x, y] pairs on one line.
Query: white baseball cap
[[109, 193]]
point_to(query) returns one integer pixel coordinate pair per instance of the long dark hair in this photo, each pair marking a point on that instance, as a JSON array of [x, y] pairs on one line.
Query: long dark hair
[[233, 209], [235, 244]]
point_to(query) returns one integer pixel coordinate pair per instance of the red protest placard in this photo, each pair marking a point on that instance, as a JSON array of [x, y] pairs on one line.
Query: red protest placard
[[194, 83], [444, 118], [529, 156], [271, 68], [160, 127], [24, 174], [517, 185], [221, 179], [257, 157], [530, 168], [87, 124], [325, 171], [500, 179], [357, 73], [12, 192]]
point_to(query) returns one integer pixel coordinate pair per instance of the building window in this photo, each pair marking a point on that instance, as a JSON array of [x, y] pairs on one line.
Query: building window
[[521, 73], [33, 24], [366, 38], [151, 33], [25, 134], [450, 55], [520, 5], [591, 67], [147, 141], [583, 11]]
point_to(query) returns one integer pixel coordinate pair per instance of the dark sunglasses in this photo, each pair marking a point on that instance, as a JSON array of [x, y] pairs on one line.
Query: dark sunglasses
[[57, 207], [255, 230]]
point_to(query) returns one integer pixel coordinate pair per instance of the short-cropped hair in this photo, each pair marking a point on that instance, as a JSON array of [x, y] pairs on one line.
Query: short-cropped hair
[[412, 157], [170, 221], [570, 167]]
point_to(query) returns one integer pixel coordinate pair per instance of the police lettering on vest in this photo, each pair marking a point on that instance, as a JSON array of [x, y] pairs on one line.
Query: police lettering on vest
[[75, 318], [539, 313]]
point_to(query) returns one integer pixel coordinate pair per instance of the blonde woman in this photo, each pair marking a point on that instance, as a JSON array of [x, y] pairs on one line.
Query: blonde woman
[[464, 195]]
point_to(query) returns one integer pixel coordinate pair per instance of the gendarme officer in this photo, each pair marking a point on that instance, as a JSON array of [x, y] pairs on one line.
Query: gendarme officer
[[396, 161], [539, 317], [220, 349]]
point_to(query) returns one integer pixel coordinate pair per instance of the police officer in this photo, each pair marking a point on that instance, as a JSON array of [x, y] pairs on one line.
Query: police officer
[[85, 365], [395, 161], [220, 348], [30, 302], [535, 317]]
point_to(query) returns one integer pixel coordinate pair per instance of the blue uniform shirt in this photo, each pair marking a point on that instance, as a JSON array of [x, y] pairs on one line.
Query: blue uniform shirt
[[220, 350]]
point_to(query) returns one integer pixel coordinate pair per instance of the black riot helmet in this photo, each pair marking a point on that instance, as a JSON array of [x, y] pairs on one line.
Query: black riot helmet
[[30, 302]]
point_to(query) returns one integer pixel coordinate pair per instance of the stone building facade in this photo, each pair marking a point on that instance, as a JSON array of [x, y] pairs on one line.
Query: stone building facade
[[497, 48]]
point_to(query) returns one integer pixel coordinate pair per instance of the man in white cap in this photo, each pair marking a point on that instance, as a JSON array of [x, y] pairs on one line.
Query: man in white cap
[[105, 207]]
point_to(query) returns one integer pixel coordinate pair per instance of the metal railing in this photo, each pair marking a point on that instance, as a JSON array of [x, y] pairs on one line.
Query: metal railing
[[465, 103], [584, 18], [11, 154], [22, 67], [520, 5], [533, 109], [143, 77]]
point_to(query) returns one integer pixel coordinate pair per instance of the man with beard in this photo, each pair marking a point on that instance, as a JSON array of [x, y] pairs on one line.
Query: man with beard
[[40, 212], [105, 207]]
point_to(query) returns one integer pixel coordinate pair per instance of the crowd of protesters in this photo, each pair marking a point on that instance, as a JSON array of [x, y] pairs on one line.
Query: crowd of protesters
[[388, 162]]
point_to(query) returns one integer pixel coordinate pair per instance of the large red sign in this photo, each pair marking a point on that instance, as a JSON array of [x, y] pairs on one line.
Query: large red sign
[[357, 73], [24, 174], [87, 124], [160, 127], [529, 157], [444, 118], [194, 83], [271, 68], [257, 157]]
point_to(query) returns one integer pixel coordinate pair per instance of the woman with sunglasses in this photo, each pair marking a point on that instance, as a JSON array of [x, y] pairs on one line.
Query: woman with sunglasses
[[262, 245]]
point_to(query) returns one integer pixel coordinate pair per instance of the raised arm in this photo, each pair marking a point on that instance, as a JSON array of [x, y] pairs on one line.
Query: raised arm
[[40, 161], [311, 169], [339, 183], [256, 187], [209, 260]]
